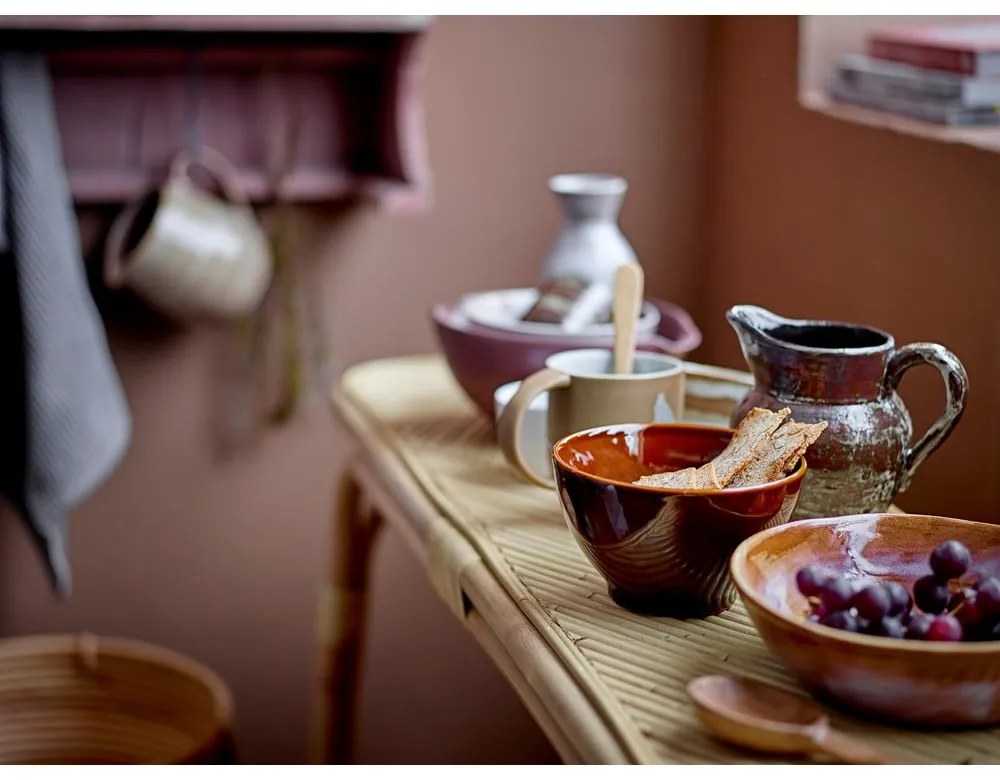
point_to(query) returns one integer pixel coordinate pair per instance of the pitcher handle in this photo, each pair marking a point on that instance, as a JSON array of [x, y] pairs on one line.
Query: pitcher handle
[[956, 385], [509, 424]]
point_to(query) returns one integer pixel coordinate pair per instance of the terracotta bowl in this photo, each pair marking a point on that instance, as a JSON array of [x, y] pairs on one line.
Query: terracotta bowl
[[905, 681], [662, 551], [482, 358]]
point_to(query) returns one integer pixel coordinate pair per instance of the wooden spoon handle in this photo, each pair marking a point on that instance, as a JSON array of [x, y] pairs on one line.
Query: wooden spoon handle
[[626, 308], [850, 749]]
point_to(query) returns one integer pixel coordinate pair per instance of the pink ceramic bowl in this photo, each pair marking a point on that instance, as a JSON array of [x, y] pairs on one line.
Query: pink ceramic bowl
[[900, 680], [482, 358]]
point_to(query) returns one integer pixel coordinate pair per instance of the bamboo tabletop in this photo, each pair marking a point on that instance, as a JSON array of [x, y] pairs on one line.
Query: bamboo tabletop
[[629, 670]]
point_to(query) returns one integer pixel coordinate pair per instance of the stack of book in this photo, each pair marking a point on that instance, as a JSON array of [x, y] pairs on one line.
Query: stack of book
[[946, 74]]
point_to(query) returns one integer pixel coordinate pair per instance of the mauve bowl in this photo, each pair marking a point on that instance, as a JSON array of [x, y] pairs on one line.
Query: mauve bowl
[[481, 358], [662, 551], [898, 680]]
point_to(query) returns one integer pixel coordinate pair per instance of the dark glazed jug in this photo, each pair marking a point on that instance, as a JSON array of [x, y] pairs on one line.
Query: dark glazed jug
[[846, 375]]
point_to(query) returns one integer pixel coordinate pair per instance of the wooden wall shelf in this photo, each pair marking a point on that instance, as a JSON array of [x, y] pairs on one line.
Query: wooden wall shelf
[[822, 39], [306, 108], [211, 24], [985, 138]]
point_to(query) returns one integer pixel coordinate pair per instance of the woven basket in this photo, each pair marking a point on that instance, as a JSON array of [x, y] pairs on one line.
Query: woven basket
[[86, 700]]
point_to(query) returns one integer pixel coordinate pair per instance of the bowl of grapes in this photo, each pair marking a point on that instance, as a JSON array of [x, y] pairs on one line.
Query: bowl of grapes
[[891, 616]]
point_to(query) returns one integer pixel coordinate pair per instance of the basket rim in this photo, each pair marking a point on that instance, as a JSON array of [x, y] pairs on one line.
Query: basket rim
[[66, 644]]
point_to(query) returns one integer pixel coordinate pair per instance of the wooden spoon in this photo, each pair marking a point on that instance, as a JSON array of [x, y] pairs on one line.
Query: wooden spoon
[[625, 311], [761, 717]]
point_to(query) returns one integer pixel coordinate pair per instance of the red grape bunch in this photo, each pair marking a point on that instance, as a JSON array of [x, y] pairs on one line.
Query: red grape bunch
[[951, 604]]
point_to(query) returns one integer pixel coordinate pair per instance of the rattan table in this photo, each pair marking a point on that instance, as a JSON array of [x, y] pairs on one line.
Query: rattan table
[[604, 684]]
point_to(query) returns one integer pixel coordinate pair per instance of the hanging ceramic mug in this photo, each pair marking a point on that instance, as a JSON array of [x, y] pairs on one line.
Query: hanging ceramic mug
[[186, 251]]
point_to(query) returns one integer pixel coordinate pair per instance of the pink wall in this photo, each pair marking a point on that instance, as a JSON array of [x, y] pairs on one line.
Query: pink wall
[[223, 558]]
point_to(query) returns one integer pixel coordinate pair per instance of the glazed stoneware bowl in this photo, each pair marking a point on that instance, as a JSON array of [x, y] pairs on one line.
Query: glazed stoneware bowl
[[904, 681], [662, 551], [481, 359]]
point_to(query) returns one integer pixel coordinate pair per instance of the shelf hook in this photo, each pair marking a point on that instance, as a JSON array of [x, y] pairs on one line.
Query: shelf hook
[[192, 120]]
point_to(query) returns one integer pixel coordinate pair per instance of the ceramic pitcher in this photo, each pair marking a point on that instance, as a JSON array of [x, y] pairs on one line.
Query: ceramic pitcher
[[846, 375]]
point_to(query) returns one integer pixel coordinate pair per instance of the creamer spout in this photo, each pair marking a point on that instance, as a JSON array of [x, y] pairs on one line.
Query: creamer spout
[[753, 320]]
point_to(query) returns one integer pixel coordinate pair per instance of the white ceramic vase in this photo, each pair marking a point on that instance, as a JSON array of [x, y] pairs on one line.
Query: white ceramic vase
[[591, 246]]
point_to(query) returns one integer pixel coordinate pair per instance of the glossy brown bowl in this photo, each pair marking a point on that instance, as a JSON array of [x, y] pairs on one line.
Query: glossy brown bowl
[[662, 551], [905, 681]]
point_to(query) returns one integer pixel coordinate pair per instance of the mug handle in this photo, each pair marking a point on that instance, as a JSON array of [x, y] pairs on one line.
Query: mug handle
[[218, 166], [509, 424], [114, 246], [956, 385]]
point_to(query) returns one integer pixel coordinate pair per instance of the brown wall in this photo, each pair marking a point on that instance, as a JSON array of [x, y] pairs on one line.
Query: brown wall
[[815, 217], [223, 558]]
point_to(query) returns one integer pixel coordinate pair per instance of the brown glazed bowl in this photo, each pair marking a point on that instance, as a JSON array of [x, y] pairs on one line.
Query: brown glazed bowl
[[899, 680], [662, 551]]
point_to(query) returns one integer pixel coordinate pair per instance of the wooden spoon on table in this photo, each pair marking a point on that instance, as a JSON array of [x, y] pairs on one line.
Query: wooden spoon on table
[[761, 717], [625, 312]]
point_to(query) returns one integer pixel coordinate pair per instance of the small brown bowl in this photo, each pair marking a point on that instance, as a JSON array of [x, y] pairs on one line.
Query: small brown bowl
[[663, 551], [900, 680]]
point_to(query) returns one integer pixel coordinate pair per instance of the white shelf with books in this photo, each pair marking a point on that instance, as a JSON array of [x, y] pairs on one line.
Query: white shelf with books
[[933, 77]]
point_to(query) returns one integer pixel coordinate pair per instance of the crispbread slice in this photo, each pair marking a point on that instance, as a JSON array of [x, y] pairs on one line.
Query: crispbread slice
[[682, 479], [778, 456], [765, 447], [756, 428]]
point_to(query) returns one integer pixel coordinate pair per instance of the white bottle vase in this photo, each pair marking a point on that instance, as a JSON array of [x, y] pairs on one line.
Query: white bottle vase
[[591, 246]]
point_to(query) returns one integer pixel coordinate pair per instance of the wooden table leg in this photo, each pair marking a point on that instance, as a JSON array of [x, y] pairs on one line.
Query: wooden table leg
[[341, 618]]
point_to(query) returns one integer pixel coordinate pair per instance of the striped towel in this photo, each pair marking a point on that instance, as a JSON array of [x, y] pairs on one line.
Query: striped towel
[[64, 421]]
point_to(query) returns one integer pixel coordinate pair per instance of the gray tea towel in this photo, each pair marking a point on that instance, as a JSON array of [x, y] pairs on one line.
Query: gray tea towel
[[64, 421]]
